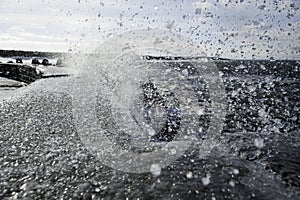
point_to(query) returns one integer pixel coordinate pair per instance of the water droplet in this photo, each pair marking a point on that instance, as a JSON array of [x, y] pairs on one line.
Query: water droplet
[[155, 169], [170, 24], [259, 142], [151, 132], [251, 88], [173, 151], [23, 187], [231, 183], [185, 72], [261, 7], [200, 111], [236, 171], [206, 180], [262, 113], [189, 175], [198, 11]]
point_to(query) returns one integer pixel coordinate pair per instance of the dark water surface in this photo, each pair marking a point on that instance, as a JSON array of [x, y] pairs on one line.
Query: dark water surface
[[258, 157]]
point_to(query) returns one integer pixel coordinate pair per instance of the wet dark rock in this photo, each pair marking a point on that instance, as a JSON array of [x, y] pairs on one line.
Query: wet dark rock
[[19, 60], [23, 73], [35, 61], [45, 62]]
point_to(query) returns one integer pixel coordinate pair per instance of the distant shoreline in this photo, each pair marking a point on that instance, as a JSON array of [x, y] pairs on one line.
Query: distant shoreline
[[19, 53], [44, 54]]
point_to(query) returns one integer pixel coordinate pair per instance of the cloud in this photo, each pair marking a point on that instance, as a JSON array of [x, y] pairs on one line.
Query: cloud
[[29, 45], [16, 37], [8, 37]]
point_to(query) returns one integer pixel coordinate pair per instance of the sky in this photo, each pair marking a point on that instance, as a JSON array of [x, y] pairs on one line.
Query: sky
[[227, 28]]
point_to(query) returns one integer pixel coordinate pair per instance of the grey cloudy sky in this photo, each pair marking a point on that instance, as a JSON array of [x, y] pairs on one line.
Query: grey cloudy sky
[[226, 28]]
